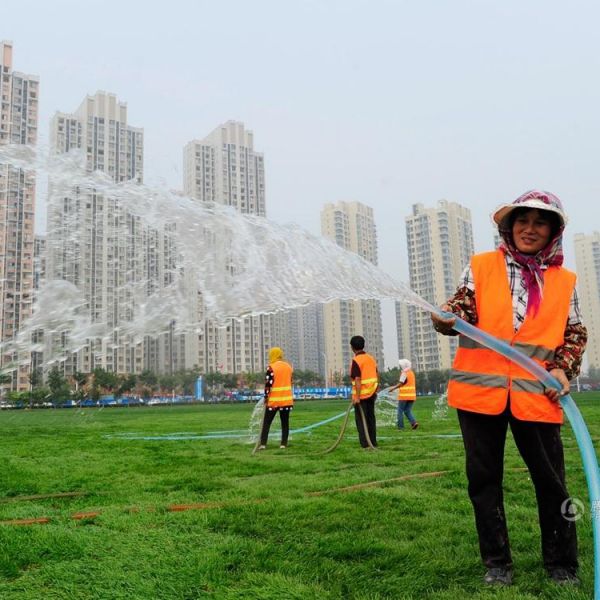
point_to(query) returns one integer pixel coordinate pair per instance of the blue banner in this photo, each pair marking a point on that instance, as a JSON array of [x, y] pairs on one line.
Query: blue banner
[[199, 392]]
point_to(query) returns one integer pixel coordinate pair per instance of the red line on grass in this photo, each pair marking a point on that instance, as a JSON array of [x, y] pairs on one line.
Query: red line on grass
[[85, 515], [195, 506], [80, 516], [39, 520], [360, 486]]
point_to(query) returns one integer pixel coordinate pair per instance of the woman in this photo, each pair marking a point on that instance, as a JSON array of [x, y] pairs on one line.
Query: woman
[[407, 394], [521, 294], [278, 397]]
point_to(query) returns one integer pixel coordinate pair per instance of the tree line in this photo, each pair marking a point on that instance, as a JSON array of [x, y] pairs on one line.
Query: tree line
[[57, 387], [80, 386]]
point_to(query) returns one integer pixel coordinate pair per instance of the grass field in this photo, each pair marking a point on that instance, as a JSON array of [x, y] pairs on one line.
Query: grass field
[[277, 525]]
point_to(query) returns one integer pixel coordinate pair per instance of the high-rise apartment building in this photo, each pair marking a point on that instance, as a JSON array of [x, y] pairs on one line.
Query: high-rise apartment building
[[587, 259], [351, 225], [113, 257], [224, 168], [39, 276], [39, 261], [86, 243], [440, 244], [18, 125], [302, 339], [403, 331]]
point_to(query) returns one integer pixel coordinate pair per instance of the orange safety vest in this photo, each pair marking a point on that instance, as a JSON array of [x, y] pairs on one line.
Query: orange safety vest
[[369, 379], [408, 391], [281, 390], [481, 380]]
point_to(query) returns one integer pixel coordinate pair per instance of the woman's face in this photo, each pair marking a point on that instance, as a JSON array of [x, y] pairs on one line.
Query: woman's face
[[531, 231]]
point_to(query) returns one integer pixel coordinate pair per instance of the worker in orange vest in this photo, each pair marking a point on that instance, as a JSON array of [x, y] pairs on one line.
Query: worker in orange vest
[[365, 383], [278, 397], [522, 294], [407, 394]]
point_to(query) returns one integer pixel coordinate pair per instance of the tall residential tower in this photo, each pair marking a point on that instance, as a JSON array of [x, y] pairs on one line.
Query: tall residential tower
[[18, 125], [112, 256], [302, 339], [440, 244], [587, 259], [352, 226], [224, 168]]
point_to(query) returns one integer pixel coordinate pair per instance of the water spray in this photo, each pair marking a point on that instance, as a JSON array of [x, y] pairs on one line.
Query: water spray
[[262, 424]]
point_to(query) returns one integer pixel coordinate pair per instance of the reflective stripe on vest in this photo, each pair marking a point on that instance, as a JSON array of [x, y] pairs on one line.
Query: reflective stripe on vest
[[408, 391], [481, 380], [497, 381], [368, 376], [539, 352], [281, 393]]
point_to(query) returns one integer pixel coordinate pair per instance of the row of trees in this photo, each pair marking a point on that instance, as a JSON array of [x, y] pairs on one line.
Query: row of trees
[[100, 382], [146, 384], [93, 385]]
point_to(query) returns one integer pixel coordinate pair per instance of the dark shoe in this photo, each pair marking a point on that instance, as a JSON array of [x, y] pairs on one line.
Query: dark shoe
[[563, 576], [414, 425], [498, 576]]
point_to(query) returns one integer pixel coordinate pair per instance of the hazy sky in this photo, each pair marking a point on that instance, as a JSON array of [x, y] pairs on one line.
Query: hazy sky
[[386, 102]]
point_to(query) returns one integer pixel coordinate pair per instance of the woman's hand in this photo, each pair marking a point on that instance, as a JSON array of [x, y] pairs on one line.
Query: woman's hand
[[443, 326], [554, 394]]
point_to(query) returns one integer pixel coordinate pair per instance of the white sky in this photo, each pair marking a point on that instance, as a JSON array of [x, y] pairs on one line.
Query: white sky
[[388, 102]]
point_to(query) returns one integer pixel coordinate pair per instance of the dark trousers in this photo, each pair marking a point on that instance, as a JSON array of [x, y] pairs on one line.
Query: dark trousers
[[541, 448], [284, 415], [368, 407]]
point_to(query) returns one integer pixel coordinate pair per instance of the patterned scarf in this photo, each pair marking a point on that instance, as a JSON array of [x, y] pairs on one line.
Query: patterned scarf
[[531, 265]]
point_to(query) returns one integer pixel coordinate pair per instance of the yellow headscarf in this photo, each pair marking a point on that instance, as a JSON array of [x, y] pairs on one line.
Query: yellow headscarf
[[275, 354]]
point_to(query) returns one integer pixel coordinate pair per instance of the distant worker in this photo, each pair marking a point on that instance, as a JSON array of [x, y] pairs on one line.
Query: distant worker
[[365, 382], [278, 397], [407, 394]]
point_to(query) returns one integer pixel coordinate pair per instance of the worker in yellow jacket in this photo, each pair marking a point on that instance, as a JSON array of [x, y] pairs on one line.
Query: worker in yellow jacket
[[523, 295], [278, 396]]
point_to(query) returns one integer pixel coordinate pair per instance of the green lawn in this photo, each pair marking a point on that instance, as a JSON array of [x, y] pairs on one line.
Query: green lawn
[[263, 533]]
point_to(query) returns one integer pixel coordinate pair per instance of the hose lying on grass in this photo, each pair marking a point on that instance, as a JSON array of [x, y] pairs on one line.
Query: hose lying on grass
[[343, 430], [582, 435]]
